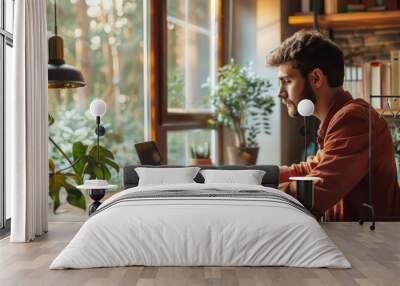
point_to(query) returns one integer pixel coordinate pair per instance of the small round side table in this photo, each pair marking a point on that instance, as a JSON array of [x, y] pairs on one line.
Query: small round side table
[[96, 194]]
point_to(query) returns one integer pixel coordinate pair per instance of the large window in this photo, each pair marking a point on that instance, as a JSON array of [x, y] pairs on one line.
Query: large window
[[191, 52], [6, 43], [108, 42], [190, 36], [105, 41]]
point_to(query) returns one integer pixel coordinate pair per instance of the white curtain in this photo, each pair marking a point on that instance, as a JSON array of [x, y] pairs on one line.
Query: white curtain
[[26, 123]]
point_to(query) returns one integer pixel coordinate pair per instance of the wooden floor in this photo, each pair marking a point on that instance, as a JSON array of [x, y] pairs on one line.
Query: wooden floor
[[375, 257]]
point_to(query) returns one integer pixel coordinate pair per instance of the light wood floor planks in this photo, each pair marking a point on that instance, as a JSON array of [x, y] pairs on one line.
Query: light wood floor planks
[[375, 257]]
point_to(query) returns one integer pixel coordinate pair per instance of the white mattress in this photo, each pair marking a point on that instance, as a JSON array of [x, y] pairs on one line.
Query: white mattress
[[200, 231]]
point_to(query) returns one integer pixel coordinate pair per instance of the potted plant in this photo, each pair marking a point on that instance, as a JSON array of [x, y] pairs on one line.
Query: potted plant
[[200, 154], [84, 163], [240, 103]]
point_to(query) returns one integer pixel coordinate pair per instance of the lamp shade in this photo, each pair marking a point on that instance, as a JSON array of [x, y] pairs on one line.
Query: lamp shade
[[64, 76], [305, 107], [61, 75], [98, 107]]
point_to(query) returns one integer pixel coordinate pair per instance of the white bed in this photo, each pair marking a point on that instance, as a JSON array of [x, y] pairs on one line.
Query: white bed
[[206, 230]]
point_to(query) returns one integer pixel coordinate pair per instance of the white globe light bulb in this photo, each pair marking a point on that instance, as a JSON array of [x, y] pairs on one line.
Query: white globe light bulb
[[305, 107], [98, 107]]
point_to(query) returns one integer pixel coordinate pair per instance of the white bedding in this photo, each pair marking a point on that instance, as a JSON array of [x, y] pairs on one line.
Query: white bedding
[[200, 231]]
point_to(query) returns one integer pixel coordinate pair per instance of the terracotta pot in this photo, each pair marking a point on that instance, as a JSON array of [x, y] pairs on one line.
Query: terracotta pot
[[242, 155], [201, 162]]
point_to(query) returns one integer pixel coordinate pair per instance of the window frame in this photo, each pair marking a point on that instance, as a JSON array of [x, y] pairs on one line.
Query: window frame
[[162, 120], [6, 39]]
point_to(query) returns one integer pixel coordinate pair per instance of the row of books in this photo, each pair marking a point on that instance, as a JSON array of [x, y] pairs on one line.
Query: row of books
[[342, 6], [376, 78], [353, 80]]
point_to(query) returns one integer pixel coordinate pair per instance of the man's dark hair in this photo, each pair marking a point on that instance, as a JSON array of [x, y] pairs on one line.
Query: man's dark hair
[[307, 50]]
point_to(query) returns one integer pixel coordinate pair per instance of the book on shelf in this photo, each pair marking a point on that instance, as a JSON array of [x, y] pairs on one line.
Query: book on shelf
[[308, 7], [330, 7], [305, 6], [395, 77], [375, 85], [343, 6], [353, 80], [392, 4], [386, 84], [381, 78]]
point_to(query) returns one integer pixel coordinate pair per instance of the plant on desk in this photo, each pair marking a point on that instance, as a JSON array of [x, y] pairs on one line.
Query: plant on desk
[[87, 161], [200, 154], [241, 103]]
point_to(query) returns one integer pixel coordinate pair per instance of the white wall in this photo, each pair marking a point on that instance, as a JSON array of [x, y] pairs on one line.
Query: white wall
[[255, 31]]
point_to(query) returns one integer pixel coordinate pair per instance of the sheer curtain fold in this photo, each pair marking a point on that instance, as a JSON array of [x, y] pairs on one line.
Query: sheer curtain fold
[[26, 117]]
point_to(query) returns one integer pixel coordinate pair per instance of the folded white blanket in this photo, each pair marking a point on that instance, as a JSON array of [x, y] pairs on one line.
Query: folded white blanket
[[167, 229]]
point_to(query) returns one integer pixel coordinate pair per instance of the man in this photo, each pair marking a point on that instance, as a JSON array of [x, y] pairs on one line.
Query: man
[[311, 66]]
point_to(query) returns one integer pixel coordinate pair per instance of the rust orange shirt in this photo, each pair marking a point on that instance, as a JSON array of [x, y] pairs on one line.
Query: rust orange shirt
[[342, 163]]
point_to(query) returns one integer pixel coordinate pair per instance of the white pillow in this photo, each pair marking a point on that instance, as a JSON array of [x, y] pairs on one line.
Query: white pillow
[[163, 176], [248, 177]]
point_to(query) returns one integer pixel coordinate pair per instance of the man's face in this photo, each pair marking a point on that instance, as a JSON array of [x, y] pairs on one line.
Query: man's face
[[293, 88]]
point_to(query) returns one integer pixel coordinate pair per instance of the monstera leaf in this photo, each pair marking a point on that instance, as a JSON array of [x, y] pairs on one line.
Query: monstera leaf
[[59, 180], [78, 153], [50, 119], [89, 164]]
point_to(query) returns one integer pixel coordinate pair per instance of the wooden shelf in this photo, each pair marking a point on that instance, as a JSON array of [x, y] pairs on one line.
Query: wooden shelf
[[359, 20]]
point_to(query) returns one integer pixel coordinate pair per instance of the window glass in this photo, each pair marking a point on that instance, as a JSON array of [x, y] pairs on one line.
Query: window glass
[[180, 144], [7, 83], [191, 61], [1, 15], [200, 12], [176, 8], [9, 15], [104, 40]]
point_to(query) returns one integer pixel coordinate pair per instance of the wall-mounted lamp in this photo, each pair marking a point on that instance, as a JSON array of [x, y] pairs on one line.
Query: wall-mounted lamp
[[98, 108]]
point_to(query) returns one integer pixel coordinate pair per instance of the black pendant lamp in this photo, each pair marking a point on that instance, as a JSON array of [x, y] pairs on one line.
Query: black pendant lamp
[[61, 75]]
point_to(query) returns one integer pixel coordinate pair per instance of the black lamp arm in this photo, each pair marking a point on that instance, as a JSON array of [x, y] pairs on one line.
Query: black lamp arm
[[55, 17], [305, 139]]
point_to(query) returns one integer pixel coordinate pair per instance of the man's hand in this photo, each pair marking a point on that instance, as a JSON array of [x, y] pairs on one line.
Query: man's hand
[[283, 168], [289, 188]]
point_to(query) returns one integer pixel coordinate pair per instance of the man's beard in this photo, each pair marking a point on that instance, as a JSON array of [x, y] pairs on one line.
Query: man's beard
[[307, 93]]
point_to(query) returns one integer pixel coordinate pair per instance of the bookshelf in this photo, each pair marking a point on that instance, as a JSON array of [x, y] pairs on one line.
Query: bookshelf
[[354, 20]]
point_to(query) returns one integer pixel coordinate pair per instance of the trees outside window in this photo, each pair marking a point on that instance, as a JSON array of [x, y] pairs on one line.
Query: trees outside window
[[105, 41]]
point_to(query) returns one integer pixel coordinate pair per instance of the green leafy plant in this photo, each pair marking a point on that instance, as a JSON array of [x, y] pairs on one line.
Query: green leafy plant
[[84, 164], [200, 151], [240, 102]]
